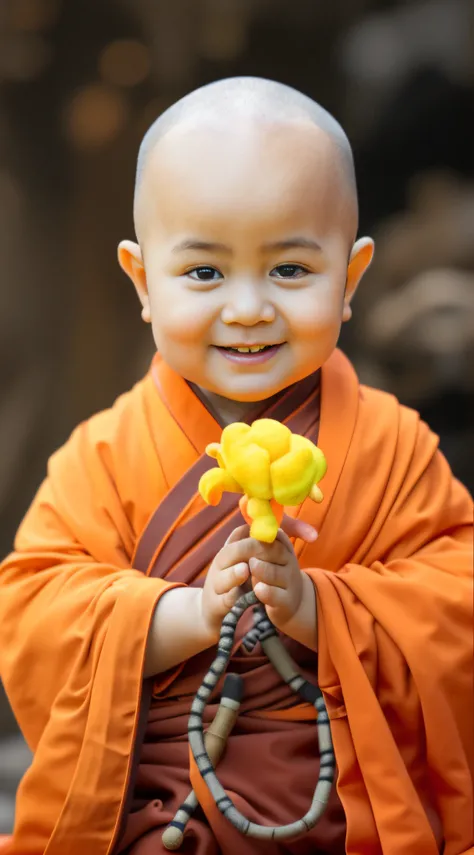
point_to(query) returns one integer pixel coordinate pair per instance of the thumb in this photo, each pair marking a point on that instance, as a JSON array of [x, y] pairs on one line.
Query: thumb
[[298, 528], [239, 533]]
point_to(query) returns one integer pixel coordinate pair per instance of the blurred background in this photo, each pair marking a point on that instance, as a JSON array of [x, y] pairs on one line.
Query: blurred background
[[80, 81]]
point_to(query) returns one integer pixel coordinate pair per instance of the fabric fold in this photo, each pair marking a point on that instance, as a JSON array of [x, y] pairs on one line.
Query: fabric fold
[[392, 569]]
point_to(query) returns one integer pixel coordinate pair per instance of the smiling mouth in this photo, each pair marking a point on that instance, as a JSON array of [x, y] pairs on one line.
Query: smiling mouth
[[255, 348], [253, 354]]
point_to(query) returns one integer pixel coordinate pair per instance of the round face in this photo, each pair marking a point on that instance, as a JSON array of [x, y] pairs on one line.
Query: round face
[[245, 239]]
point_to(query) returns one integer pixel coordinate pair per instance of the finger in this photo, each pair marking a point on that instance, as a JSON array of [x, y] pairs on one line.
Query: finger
[[237, 551], [231, 577], [298, 528], [238, 534], [271, 596], [270, 574], [242, 550], [229, 599], [278, 552], [283, 538]]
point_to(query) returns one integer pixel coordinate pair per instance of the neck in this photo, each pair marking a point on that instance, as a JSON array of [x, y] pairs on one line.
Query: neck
[[226, 411]]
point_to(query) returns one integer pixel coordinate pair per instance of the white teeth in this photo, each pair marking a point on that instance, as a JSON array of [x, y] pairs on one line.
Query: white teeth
[[250, 349]]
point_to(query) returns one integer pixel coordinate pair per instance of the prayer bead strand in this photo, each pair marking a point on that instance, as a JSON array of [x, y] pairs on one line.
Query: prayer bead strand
[[207, 749]]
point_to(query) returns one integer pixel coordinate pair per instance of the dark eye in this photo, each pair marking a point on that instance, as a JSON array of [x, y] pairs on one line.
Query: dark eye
[[288, 271], [205, 274]]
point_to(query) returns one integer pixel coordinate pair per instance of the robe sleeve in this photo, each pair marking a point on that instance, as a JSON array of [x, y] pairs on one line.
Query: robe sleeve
[[396, 658], [74, 620]]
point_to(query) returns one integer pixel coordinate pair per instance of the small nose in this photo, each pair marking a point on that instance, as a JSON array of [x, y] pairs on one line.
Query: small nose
[[247, 305]]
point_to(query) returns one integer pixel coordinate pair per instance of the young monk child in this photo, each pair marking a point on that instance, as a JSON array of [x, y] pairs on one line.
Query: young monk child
[[245, 264]]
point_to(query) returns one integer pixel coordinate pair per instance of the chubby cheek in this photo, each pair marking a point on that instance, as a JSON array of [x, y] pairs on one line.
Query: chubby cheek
[[180, 332], [314, 313], [178, 316]]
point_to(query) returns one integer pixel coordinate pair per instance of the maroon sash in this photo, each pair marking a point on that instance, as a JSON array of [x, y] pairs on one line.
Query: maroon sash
[[181, 558]]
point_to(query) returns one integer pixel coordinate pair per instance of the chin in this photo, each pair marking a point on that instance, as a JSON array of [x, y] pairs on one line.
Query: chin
[[250, 397], [251, 393]]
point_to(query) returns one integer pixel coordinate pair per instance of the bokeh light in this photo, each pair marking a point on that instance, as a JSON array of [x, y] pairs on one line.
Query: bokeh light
[[95, 116], [125, 62]]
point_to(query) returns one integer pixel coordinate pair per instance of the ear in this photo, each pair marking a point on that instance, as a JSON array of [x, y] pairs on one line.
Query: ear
[[131, 261], [360, 260]]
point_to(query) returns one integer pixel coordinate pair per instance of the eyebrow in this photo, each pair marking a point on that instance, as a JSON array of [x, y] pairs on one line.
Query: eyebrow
[[293, 243], [280, 245], [201, 245]]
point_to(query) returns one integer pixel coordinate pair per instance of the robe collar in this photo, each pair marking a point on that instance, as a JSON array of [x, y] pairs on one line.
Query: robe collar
[[339, 401]]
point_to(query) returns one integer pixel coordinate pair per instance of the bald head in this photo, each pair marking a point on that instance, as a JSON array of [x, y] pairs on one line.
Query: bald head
[[242, 101], [246, 214]]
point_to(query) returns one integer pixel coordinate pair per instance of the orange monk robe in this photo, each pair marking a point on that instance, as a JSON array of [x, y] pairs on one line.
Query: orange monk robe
[[392, 569]]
